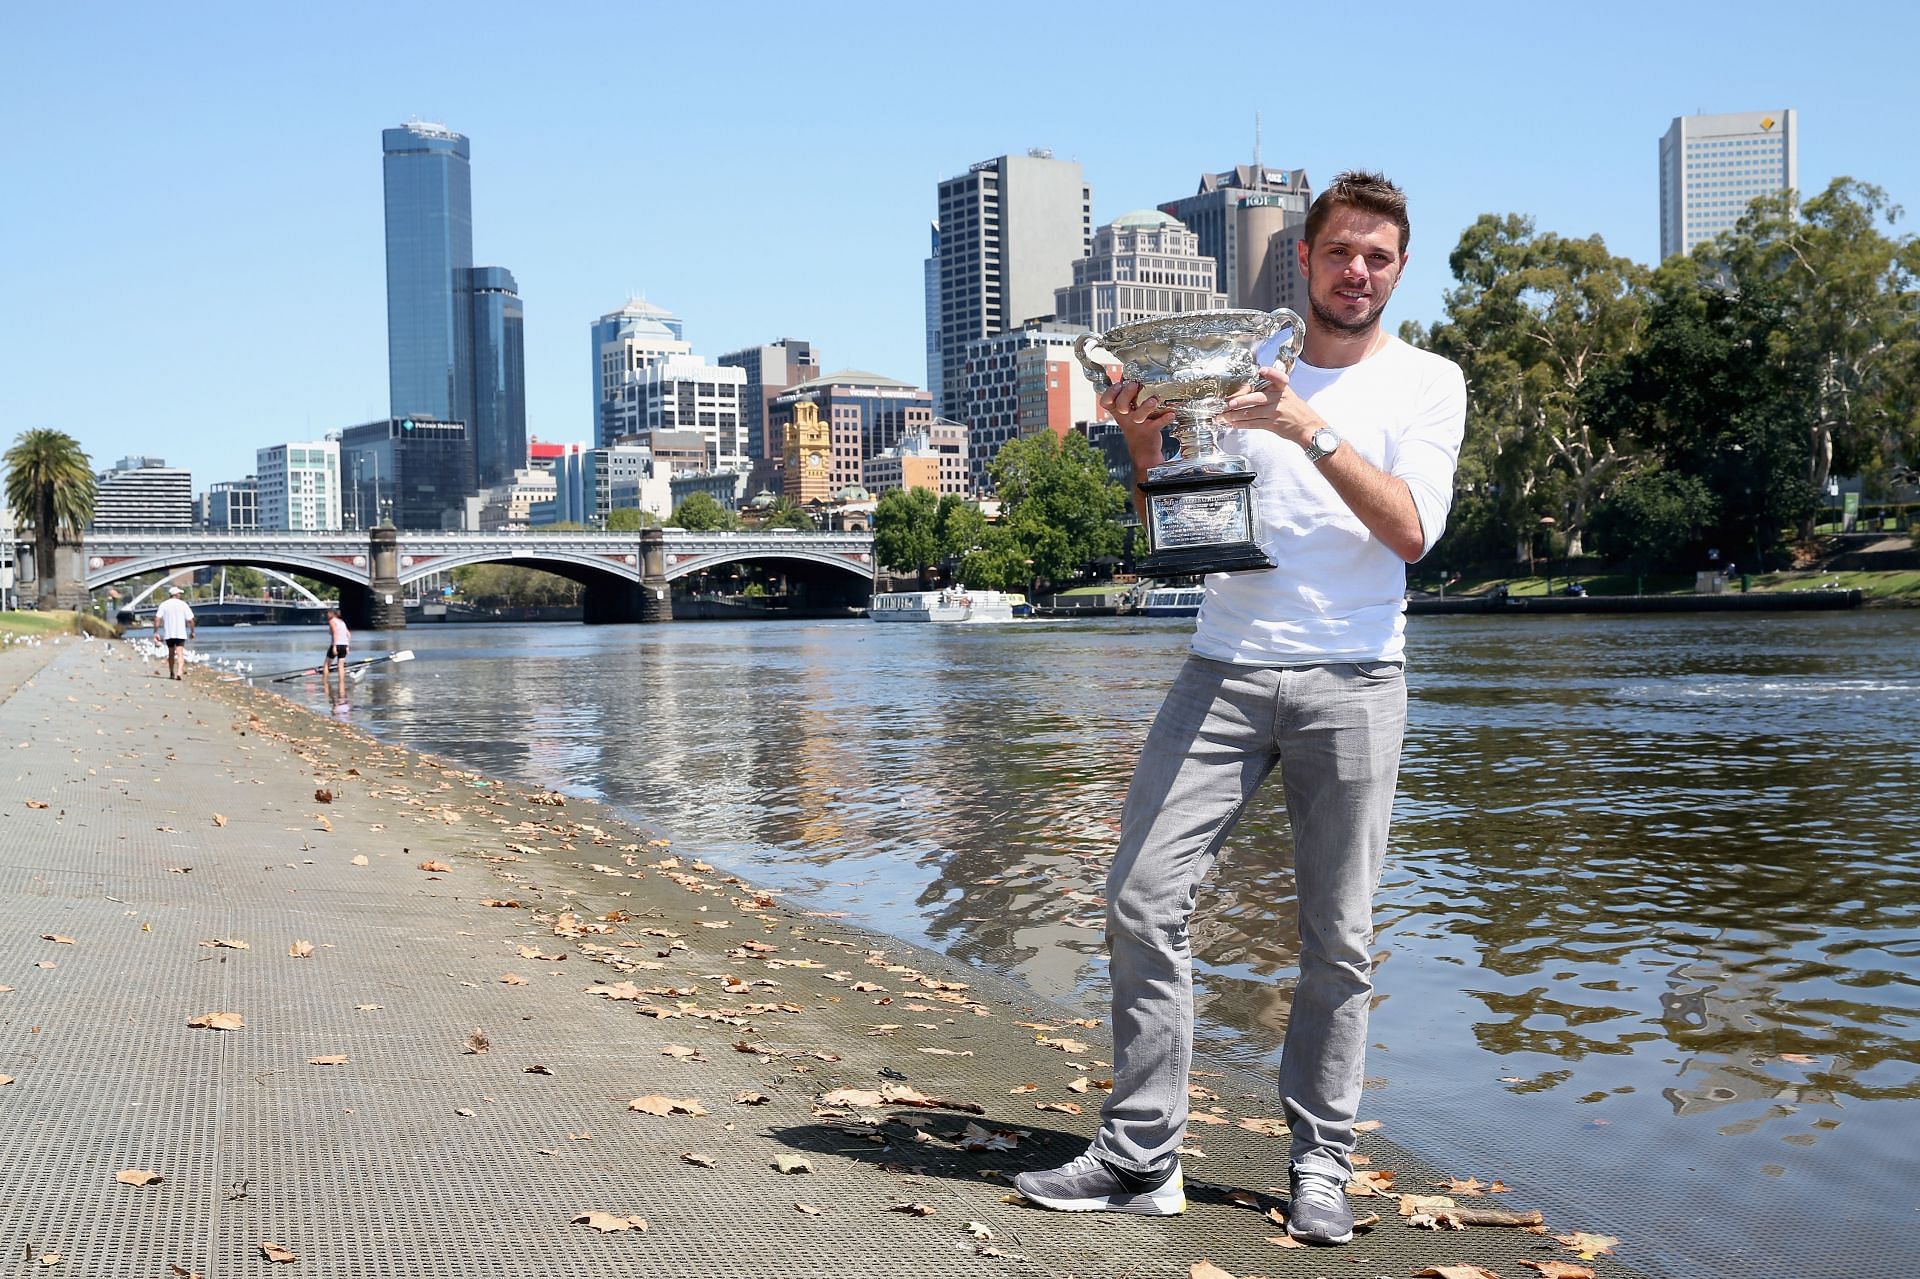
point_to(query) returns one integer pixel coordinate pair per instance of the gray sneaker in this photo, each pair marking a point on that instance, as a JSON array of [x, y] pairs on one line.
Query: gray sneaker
[[1317, 1209], [1087, 1185]]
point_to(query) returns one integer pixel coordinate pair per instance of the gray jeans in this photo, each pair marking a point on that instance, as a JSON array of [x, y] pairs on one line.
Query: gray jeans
[[1335, 731]]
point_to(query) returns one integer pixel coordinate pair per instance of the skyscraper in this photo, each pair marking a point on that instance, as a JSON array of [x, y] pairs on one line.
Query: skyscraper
[[499, 424], [1244, 217], [143, 492], [454, 333], [626, 343], [1713, 166], [772, 370], [429, 251], [1010, 230], [299, 485]]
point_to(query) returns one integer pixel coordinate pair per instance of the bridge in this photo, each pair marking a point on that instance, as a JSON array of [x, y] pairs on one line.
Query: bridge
[[627, 576]]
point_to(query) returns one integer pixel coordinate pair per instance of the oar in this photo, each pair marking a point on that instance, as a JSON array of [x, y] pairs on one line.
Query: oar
[[404, 655]]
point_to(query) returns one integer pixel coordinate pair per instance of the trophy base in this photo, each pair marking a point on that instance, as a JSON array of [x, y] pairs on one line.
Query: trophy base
[[1241, 557], [1201, 523]]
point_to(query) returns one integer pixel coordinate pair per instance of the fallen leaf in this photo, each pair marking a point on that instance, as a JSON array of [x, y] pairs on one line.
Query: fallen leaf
[[792, 1163], [137, 1177], [1371, 1181], [1458, 1270], [360, 859], [219, 819], [336, 1059], [978, 1231], [5, 1080], [537, 1069], [607, 1221], [1017, 1089], [1284, 1241], [975, 1137], [1588, 1246], [323, 823], [751, 1098], [301, 950], [226, 943], [435, 866], [681, 1052], [1064, 1045], [1413, 1205], [38, 803], [1560, 1269], [1471, 1187], [1207, 1270], [655, 1104], [51, 1258], [808, 1209], [274, 1252], [45, 963], [697, 1160], [1367, 1125], [911, 1209], [1264, 1126], [56, 938], [368, 1008], [464, 1112], [323, 796], [217, 1021], [512, 979], [183, 1272], [477, 1043], [1064, 1107]]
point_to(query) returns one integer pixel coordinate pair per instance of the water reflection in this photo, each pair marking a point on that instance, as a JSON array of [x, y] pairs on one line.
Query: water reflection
[[1661, 871]]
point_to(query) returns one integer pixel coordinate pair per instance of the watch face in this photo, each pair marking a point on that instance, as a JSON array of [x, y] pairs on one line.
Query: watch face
[[1325, 440]]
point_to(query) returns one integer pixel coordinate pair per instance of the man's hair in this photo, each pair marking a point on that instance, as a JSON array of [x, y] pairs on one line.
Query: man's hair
[[1367, 192]]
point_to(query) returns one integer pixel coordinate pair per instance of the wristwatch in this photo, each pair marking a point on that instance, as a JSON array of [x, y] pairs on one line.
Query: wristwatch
[[1324, 443]]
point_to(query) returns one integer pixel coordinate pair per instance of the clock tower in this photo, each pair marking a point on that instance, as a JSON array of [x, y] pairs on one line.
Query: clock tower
[[808, 475]]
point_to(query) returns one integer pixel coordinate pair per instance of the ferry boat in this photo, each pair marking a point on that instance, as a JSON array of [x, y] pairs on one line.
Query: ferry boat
[[1173, 601], [955, 604]]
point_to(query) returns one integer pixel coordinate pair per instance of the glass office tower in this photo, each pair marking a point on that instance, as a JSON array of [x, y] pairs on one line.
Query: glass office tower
[[429, 251], [499, 419]]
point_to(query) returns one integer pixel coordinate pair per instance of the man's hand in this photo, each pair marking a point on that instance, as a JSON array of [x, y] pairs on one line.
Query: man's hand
[[1141, 417], [1275, 407]]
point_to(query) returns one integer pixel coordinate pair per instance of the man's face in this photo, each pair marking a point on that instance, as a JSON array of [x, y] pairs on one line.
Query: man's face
[[1352, 269]]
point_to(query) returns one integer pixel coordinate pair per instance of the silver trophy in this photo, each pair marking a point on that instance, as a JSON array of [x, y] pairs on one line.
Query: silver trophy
[[1200, 506]]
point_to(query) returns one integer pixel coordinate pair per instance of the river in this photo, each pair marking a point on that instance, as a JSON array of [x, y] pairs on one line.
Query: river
[[1650, 928]]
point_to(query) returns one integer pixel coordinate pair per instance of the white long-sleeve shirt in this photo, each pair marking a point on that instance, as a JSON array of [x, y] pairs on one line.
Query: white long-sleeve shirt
[[1338, 593]]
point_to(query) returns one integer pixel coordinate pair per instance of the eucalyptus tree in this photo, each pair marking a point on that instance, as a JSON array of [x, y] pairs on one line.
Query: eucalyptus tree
[[50, 487], [1533, 317]]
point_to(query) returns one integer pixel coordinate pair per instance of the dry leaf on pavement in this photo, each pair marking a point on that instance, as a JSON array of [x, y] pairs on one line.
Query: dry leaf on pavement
[[697, 1160], [137, 1177], [5, 1080], [360, 859], [219, 819], [607, 1221], [1413, 1205], [537, 1069], [808, 1209], [275, 1252], [477, 1042], [681, 1052], [655, 1104], [1560, 1269], [512, 979], [912, 1209], [323, 796], [226, 943], [749, 1097], [1064, 1107], [217, 1021], [790, 1163], [1371, 1181], [333, 1059], [57, 938], [1207, 1270], [301, 950], [1588, 1245], [1263, 1125], [435, 866], [1458, 1270]]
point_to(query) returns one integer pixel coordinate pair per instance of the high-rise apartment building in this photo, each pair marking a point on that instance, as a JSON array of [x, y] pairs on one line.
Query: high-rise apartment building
[[413, 471], [1247, 219], [1713, 166], [143, 492], [454, 344], [1144, 264], [231, 506], [627, 343], [299, 486], [1010, 230], [499, 424], [1000, 372], [772, 370], [930, 284]]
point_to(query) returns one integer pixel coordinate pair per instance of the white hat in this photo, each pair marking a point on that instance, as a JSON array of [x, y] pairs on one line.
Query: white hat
[[173, 590]]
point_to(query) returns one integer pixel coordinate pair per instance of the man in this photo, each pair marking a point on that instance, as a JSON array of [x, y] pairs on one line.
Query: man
[[334, 669], [1298, 666], [173, 622]]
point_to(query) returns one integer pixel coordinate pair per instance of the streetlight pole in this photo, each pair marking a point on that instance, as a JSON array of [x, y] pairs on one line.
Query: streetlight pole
[[1546, 523]]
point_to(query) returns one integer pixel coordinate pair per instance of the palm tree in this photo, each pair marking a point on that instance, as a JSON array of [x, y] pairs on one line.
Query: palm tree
[[50, 488]]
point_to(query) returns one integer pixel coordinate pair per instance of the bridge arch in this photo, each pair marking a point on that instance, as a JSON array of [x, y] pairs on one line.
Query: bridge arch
[[686, 564], [103, 572]]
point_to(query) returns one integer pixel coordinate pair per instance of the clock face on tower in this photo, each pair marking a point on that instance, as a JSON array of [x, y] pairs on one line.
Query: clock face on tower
[[815, 460]]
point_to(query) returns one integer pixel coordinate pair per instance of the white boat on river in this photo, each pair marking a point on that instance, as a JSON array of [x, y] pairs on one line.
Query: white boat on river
[[1173, 601], [955, 604]]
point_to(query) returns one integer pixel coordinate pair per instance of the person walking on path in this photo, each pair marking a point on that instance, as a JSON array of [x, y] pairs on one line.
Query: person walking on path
[[334, 668], [1299, 667], [173, 623]]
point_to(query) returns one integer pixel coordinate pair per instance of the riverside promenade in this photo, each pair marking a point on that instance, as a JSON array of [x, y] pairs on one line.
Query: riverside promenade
[[346, 1010]]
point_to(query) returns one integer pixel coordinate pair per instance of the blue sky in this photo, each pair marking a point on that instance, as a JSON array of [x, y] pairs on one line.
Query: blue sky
[[190, 195]]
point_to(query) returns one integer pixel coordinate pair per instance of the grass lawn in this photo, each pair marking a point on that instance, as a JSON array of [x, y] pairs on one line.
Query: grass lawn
[[59, 622]]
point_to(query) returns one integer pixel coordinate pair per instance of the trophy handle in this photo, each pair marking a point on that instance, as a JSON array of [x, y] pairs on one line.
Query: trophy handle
[[1296, 331], [1096, 372]]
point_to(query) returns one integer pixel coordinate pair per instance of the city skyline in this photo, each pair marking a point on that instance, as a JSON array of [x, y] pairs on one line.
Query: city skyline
[[274, 325]]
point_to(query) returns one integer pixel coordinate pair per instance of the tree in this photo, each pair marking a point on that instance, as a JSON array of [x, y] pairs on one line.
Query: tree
[[787, 513], [1534, 316], [1058, 502], [702, 513], [509, 586], [1656, 518], [50, 487], [630, 519], [1849, 324], [906, 531]]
